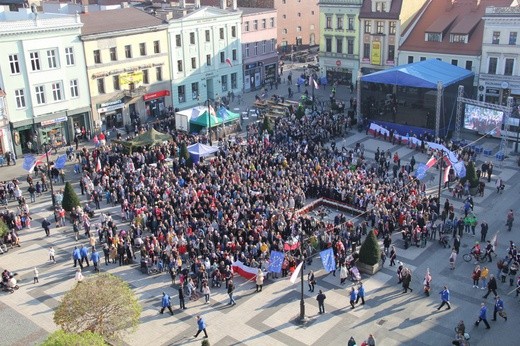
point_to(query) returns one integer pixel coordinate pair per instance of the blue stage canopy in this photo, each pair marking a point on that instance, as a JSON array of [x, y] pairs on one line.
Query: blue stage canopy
[[423, 74]]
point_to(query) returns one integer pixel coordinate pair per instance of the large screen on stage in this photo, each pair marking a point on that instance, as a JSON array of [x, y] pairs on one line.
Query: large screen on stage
[[483, 120]]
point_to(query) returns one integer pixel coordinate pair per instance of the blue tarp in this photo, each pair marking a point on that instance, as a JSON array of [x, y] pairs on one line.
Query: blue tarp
[[423, 74]]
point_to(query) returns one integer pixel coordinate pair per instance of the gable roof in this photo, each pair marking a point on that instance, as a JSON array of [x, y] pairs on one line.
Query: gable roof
[[423, 74], [393, 13]]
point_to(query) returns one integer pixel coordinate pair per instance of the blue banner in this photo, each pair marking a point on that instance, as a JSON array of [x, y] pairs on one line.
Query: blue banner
[[61, 161], [420, 173], [327, 258], [460, 169], [28, 162], [276, 261]]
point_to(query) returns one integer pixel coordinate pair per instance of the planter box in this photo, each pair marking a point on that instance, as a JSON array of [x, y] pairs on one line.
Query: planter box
[[368, 269]]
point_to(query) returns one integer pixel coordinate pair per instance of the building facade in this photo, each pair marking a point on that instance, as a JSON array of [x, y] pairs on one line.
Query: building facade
[[339, 42], [205, 55], [42, 71], [260, 57], [381, 24], [500, 61], [127, 66]]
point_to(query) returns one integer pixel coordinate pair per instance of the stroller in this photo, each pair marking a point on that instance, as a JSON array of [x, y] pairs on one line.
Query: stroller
[[354, 274]]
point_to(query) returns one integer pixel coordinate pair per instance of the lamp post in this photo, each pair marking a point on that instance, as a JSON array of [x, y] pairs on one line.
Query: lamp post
[[45, 146], [441, 167], [302, 300], [209, 122]]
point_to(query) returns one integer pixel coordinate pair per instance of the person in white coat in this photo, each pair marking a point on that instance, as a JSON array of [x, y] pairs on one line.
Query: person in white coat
[[343, 274], [79, 276], [259, 280]]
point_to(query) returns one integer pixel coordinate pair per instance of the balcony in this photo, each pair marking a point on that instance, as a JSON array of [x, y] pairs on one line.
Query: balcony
[[137, 92]]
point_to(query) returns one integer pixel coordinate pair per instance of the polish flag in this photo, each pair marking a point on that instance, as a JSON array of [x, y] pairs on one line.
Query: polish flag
[[296, 273], [446, 174], [228, 61], [431, 162], [98, 165]]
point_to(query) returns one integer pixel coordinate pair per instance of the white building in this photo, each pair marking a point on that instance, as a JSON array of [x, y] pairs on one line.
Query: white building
[[205, 55], [43, 75], [500, 61]]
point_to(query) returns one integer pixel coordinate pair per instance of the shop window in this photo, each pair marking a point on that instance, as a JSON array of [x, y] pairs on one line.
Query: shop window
[[194, 91], [74, 90], [69, 56], [115, 81], [14, 64], [182, 93], [234, 83], [20, 98], [158, 74]]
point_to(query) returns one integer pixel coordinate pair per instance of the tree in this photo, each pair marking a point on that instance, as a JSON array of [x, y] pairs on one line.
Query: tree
[[60, 338], [267, 125], [183, 151], [471, 174], [3, 228], [102, 304], [370, 252], [70, 199], [205, 342]]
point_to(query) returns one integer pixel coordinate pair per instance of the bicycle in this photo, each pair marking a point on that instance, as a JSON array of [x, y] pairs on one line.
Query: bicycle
[[469, 256]]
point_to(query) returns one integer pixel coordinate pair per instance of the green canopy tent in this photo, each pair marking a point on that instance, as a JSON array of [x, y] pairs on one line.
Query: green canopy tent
[[202, 121], [150, 137]]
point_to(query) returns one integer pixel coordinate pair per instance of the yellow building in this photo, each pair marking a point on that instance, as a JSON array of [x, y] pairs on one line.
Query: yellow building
[[126, 54]]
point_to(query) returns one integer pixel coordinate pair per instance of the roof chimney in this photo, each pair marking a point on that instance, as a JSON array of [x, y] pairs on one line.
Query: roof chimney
[[235, 5], [223, 4]]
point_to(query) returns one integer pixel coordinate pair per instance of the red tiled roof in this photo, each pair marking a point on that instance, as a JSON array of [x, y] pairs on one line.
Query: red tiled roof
[[467, 14]]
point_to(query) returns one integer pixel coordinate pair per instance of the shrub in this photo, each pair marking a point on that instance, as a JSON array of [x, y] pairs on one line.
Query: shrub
[[370, 253], [471, 174], [3, 228], [60, 338], [70, 199]]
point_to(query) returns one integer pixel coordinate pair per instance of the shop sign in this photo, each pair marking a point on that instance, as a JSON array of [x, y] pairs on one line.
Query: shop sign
[[156, 95], [250, 66], [493, 91], [128, 78], [110, 106], [53, 121], [375, 56]]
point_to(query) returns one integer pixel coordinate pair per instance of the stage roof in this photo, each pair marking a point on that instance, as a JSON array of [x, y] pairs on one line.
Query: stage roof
[[423, 74]]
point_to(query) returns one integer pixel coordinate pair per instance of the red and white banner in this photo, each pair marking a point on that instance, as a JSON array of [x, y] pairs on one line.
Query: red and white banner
[[244, 271], [431, 162], [446, 174]]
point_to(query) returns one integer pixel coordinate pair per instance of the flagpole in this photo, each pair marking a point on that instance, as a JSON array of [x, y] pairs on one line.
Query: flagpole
[[303, 319], [45, 145], [441, 164]]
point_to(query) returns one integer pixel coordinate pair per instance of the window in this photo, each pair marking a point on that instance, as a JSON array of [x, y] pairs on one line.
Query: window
[[458, 38], [508, 68], [192, 38], [512, 38], [101, 85], [128, 51], [234, 81], [272, 22], [255, 50], [433, 37], [492, 67], [142, 49], [368, 27], [264, 23], [234, 53], [351, 23], [350, 46], [156, 47], [298, 28], [391, 52], [14, 64], [422, 58], [469, 65], [35, 61], [193, 63], [273, 45], [247, 50], [366, 50], [222, 57], [39, 92], [339, 22], [182, 93], [496, 37], [246, 28], [285, 31], [194, 90], [20, 98], [391, 27], [380, 6], [284, 2], [178, 40], [339, 45], [69, 56], [51, 58], [113, 54], [380, 27], [328, 22], [284, 16], [223, 81], [410, 59], [328, 44], [208, 59], [74, 91], [158, 73], [207, 34], [299, 14], [97, 56], [233, 31], [56, 91], [115, 82], [454, 62], [179, 65], [264, 45], [146, 77], [255, 24], [221, 33]]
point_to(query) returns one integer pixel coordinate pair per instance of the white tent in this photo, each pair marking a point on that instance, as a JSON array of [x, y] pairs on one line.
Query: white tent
[[199, 150]]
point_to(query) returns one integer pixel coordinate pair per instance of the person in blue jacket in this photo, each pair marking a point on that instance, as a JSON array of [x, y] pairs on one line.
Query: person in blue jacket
[[76, 256], [353, 296], [165, 303], [84, 255], [482, 316], [361, 294], [499, 308], [445, 297], [94, 257], [202, 327]]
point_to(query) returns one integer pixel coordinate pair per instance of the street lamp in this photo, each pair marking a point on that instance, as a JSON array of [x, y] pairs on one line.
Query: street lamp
[[45, 146], [303, 319], [209, 122], [441, 167]]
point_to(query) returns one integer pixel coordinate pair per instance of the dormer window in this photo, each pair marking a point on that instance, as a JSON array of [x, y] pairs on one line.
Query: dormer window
[[380, 6], [433, 37], [458, 38]]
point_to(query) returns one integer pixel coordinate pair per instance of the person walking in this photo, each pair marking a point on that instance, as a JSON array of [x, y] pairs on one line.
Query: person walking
[[311, 281], [453, 258], [321, 301], [483, 277], [476, 276], [94, 257], [79, 276], [499, 308], [181, 297], [84, 255], [206, 291], [407, 279], [484, 227], [510, 219], [482, 316], [201, 324], [52, 253], [353, 297], [46, 227], [445, 298], [76, 256], [166, 303], [230, 291], [259, 280], [361, 294], [343, 274], [35, 275], [491, 286], [393, 256]]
